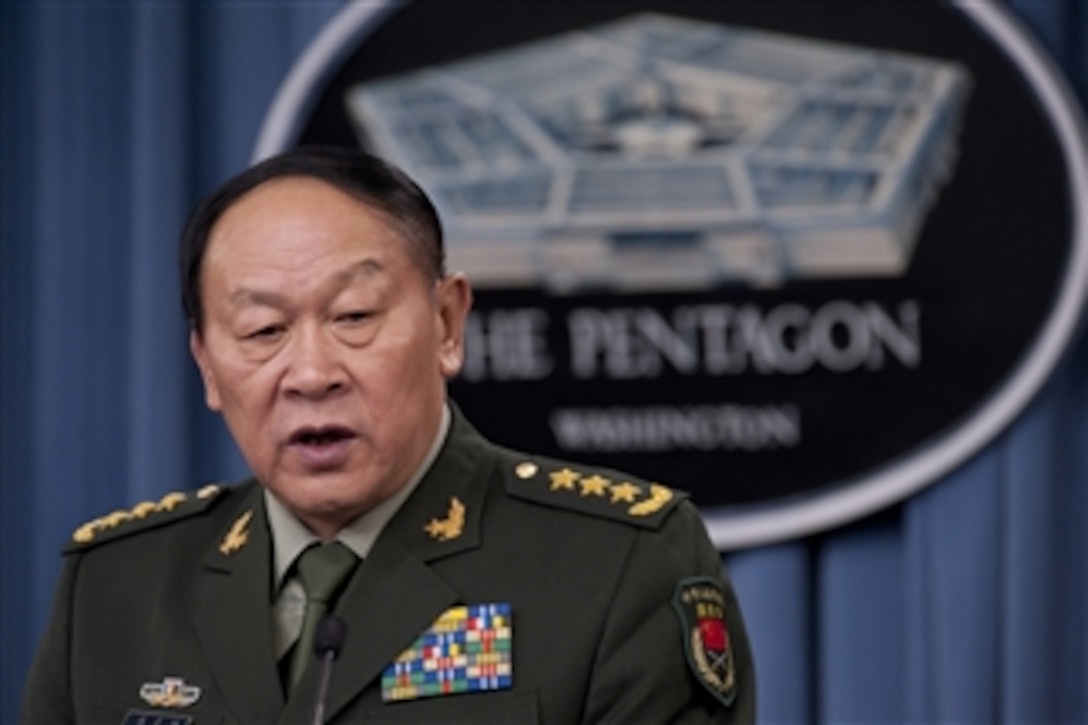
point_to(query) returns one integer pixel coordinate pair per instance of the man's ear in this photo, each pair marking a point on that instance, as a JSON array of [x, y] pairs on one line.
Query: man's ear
[[200, 355], [454, 302]]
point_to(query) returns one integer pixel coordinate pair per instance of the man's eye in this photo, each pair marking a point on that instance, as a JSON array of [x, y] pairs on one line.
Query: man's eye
[[265, 333], [354, 317]]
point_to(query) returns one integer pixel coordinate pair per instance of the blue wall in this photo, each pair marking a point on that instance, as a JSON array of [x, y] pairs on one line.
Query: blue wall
[[966, 603]]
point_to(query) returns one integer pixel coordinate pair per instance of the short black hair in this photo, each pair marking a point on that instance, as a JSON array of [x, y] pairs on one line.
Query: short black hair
[[371, 180]]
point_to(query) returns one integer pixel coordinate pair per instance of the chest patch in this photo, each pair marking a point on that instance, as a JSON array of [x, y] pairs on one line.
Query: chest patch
[[467, 649]]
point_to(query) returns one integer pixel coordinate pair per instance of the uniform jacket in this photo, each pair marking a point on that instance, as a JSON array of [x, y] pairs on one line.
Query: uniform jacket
[[174, 598]]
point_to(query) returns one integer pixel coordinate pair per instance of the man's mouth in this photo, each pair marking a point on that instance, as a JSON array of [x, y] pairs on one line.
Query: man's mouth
[[325, 435], [322, 447]]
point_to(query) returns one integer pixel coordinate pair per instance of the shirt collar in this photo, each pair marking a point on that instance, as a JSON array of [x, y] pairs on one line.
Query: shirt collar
[[290, 536]]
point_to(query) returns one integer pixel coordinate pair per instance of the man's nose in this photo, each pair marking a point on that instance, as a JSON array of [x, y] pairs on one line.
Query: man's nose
[[315, 369]]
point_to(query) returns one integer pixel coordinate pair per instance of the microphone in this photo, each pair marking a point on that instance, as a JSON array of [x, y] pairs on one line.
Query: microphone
[[328, 640]]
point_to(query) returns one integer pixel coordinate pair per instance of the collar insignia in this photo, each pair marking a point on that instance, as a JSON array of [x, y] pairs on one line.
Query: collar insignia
[[171, 692], [238, 535], [449, 527]]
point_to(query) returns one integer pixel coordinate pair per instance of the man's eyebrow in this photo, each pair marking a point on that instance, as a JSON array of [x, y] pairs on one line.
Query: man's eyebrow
[[364, 268], [271, 298], [246, 296]]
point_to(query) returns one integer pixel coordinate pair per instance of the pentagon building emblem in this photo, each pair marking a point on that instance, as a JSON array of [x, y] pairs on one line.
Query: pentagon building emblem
[[658, 153], [763, 257]]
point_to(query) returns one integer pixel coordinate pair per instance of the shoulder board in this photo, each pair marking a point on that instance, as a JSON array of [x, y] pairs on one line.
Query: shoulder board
[[606, 494], [143, 516]]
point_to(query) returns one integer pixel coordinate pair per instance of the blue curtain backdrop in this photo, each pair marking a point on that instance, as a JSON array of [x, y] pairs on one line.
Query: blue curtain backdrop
[[968, 603]]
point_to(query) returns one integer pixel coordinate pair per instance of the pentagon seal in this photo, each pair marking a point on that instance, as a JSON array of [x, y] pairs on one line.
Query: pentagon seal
[[700, 603]]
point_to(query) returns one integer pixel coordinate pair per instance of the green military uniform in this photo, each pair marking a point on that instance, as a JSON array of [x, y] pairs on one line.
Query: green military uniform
[[610, 598]]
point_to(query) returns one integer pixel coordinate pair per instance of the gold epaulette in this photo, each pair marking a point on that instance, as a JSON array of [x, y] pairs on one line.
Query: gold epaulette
[[599, 493], [142, 516]]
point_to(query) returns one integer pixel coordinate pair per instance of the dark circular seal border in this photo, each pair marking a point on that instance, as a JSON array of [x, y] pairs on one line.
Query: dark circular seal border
[[739, 527]]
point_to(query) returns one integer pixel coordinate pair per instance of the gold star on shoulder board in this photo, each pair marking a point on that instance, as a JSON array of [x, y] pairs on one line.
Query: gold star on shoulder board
[[595, 486], [626, 492], [115, 519], [238, 535], [170, 501], [564, 479], [142, 509]]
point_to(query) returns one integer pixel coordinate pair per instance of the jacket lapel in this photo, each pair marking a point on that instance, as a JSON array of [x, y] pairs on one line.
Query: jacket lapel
[[233, 614], [397, 594]]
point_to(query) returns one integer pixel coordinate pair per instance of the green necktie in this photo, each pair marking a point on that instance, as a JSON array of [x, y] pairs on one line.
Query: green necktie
[[322, 569]]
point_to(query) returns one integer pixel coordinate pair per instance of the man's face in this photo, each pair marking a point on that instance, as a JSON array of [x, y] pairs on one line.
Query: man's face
[[325, 347]]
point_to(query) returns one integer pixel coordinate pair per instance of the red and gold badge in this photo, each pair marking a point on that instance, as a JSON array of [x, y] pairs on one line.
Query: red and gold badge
[[700, 603]]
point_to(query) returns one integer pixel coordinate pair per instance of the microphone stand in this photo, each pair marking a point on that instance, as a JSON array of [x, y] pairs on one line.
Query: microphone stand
[[328, 641]]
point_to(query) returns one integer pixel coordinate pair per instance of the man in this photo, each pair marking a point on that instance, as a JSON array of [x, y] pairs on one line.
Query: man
[[475, 583]]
